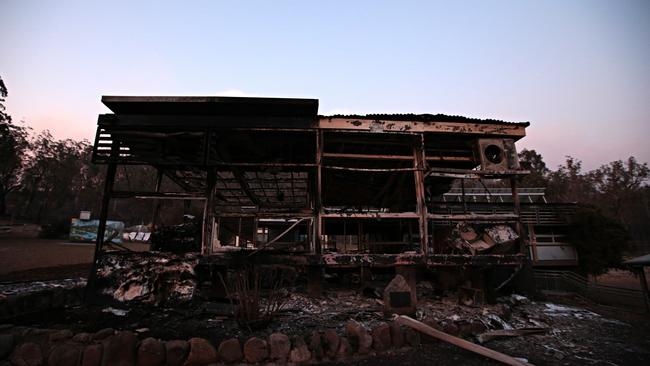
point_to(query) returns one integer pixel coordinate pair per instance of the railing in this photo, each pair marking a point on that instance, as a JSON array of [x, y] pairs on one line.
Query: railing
[[566, 281], [548, 215]]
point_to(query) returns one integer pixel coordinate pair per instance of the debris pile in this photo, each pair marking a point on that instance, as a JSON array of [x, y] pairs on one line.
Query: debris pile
[[497, 239], [178, 239], [151, 278]]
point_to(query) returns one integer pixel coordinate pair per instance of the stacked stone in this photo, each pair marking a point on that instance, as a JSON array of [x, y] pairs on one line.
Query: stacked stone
[[25, 346]]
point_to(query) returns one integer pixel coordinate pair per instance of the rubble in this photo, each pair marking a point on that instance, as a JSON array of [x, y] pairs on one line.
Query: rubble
[[482, 239], [153, 278], [341, 325], [178, 239]]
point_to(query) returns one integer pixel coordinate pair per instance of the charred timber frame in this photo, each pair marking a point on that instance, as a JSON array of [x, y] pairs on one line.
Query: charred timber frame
[[420, 165], [130, 125]]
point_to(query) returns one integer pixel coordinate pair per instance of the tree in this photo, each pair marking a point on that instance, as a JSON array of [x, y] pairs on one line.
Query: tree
[[620, 182], [569, 184], [599, 240], [54, 177], [531, 160], [13, 145]]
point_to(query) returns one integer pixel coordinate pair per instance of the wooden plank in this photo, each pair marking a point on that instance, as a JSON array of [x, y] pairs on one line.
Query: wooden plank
[[459, 342], [463, 128], [449, 158], [505, 172], [370, 215], [369, 170], [367, 156], [473, 217], [159, 195]]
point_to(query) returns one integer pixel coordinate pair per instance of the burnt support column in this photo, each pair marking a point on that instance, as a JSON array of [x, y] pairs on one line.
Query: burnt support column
[[208, 213], [419, 165], [156, 207], [101, 229], [318, 204], [517, 211]]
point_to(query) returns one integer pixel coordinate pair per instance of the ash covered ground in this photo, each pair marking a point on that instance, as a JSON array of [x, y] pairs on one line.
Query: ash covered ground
[[573, 332]]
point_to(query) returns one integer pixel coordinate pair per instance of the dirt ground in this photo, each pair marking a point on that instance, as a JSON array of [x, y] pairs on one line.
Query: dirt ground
[[23, 259], [620, 278]]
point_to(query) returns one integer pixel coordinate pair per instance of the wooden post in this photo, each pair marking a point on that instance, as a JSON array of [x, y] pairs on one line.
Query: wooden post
[[533, 242], [208, 213], [517, 210], [156, 207], [318, 204], [101, 229], [419, 165]]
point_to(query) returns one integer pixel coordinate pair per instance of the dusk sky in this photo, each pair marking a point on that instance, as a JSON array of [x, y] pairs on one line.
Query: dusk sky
[[579, 71]]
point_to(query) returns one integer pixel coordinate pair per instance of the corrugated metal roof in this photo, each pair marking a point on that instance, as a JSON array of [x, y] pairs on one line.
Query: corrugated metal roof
[[425, 118]]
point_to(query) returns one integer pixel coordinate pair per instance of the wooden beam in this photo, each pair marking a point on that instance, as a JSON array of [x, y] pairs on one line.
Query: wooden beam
[[367, 156], [371, 215], [159, 195], [459, 342], [473, 217], [239, 177], [465, 128], [369, 170], [473, 174], [450, 158]]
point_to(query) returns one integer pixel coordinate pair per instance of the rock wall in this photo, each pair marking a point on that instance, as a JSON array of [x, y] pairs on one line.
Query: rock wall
[[29, 346]]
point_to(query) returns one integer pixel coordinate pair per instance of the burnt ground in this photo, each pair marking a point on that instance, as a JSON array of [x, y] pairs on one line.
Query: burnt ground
[[579, 333]]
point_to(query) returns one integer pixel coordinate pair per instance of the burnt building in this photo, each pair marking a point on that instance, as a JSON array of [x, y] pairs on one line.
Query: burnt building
[[320, 191]]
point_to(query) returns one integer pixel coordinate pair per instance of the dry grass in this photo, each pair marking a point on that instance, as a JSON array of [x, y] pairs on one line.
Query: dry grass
[[255, 306]]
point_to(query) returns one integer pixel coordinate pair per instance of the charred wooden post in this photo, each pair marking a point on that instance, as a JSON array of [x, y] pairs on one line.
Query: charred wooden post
[[208, 213], [318, 202], [101, 229], [420, 165], [156, 207], [517, 209]]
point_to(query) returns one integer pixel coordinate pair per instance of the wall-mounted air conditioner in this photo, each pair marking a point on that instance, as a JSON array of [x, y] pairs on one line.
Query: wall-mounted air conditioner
[[498, 154]]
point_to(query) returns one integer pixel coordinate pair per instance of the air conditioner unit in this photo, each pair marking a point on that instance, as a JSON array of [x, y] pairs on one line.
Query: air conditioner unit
[[498, 154]]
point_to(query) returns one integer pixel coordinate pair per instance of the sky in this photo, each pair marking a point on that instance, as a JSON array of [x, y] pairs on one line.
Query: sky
[[578, 70]]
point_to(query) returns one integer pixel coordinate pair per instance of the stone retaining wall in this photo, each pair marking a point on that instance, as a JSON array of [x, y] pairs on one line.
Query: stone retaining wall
[[29, 346]]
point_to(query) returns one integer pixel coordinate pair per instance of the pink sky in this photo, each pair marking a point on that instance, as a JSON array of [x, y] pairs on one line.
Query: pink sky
[[579, 71]]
